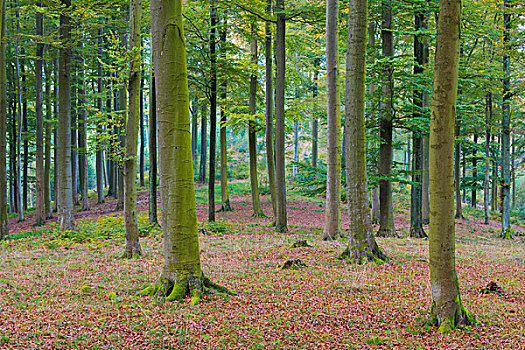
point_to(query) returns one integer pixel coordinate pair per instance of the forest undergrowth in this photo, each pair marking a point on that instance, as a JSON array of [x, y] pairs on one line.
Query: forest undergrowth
[[71, 290]]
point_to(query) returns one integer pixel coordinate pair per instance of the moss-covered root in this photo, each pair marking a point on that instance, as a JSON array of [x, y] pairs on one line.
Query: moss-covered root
[[225, 207], [447, 323], [363, 256], [333, 237], [507, 234], [418, 232], [192, 287]]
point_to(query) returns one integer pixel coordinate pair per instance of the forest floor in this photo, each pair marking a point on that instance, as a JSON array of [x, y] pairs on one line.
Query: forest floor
[[71, 291]]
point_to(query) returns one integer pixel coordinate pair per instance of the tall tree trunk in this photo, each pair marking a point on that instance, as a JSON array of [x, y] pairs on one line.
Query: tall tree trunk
[[425, 205], [55, 139], [182, 272], [25, 164], [65, 199], [99, 151], [12, 155], [74, 128], [280, 136], [204, 145], [416, 197], [270, 156], [474, 200], [447, 310], [386, 210], [213, 111], [295, 146], [486, 184], [142, 135], [4, 227], [19, 122], [225, 196], [152, 147], [132, 247], [252, 130], [82, 134], [505, 129], [495, 183], [332, 219], [40, 212], [315, 119], [47, 149], [362, 246], [194, 130], [122, 117]]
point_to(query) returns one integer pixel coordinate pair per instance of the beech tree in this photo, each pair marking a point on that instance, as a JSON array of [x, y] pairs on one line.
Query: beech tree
[[447, 309], [4, 228], [182, 272], [362, 246]]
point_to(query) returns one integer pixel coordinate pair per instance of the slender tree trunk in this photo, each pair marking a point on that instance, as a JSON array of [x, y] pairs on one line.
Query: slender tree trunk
[[425, 205], [19, 121], [65, 198], [225, 197], [74, 128], [332, 224], [505, 130], [4, 227], [47, 146], [447, 310], [457, 170], [295, 146], [55, 140], [495, 183], [132, 247], [280, 73], [416, 198], [486, 184], [474, 200], [194, 130], [40, 212], [386, 210], [252, 131], [270, 156], [25, 164], [82, 134], [99, 151], [362, 246], [152, 138], [213, 112], [142, 135], [204, 145], [122, 119]]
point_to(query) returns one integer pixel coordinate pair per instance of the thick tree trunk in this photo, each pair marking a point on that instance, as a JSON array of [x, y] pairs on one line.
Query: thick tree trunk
[[362, 246], [386, 210], [416, 198], [40, 212], [252, 130], [225, 196], [213, 111], [505, 131], [270, 156], [280, 164], [65, 198], [447, 310], [152, 147], [132, 247], [4, 227], [332, 225]]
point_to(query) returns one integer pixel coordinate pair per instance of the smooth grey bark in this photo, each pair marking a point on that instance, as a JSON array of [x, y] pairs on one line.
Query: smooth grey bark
[[386, 210], [82, 133], [457, 168], [19, 121], [425, 205], [270, 156], [486, 184], [65, 198], [213, 111], [152, 147], [204, 144], [362, 246], [315, 119], [4, 226], [99, 151], [142, 136], [473, 197], [281, 224], [332, 221], [47, 145], [40, 212]]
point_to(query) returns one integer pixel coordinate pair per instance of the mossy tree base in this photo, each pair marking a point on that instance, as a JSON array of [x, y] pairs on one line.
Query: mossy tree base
[[193, 287], [364, 255], [259, 215], [458, 319], [386, 233], [332, 236], [418, 232], [507, 234], [225, 207]]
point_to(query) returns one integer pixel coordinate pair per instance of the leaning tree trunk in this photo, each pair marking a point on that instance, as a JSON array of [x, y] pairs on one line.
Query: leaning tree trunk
[[416, 197], [362, 246], [213, 111], [65, 197], [152, 147], [225, 196], [280, 164], [386, 210], [40, 213], [4, 228], [252, 131], [447, 310], [132, 247], [332, 225], [270, 156], [505, 131], [182, 272]]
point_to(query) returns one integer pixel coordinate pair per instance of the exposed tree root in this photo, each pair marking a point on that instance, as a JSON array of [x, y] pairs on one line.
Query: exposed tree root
[[225, 207], [386, 233], [356, 255], [259, 215], [191, 286], [418, 232]]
